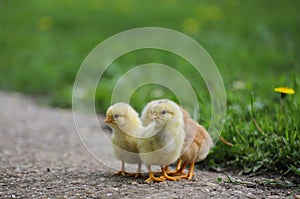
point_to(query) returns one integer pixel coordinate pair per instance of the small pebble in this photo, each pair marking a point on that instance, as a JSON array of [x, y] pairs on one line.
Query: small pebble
[[18, 170], [88, 191], [109, 194], [101, 179], [134, 182], [237, 192]]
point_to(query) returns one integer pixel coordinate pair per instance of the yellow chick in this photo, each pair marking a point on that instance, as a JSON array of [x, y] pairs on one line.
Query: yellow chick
[[163, 138], [127, 128], [196, 146]]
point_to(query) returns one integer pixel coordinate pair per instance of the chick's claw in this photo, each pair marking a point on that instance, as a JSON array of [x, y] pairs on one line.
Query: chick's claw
[[187, 176], [152, 178], [167, 177], [124, 173], [119, 173]]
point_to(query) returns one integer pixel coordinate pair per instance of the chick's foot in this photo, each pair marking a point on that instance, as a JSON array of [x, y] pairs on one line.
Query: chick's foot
[[124, 173], [190, 174], [166, 176], [187, 176], [152, 178]]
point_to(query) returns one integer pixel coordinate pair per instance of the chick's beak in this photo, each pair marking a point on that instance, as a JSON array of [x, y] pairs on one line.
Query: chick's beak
[[109, 120]]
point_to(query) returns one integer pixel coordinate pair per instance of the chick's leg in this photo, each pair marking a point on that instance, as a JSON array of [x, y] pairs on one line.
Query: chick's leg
[[138, 173], [178, 165], [123, 172], [151, 177], [179, 169], [191, 171], [190, 174]]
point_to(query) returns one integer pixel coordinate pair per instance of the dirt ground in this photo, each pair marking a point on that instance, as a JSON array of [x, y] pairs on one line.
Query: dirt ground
[[41, 156]]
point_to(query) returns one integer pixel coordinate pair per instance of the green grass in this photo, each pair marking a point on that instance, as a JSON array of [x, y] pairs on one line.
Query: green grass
[[255, 44], [265, 136]]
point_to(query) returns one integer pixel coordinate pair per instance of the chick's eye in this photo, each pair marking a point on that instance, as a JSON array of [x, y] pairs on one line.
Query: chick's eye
[[116, 115], [163, 112]]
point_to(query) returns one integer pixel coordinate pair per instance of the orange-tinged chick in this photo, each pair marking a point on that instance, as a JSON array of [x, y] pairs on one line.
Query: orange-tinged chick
[[196, 146], [127, 128]]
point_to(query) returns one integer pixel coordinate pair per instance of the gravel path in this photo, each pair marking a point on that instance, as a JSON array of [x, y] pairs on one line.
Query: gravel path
[[41, 156]]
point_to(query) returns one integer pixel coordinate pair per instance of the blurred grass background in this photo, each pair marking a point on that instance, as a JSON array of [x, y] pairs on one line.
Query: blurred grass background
[[255, 45]]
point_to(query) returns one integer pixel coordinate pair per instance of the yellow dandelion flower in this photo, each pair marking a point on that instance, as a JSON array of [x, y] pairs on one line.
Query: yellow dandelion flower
[[284, 90]]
